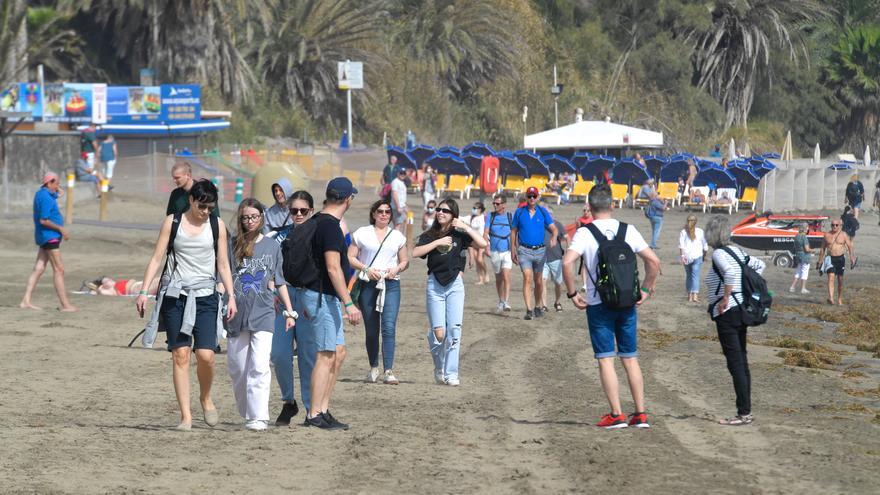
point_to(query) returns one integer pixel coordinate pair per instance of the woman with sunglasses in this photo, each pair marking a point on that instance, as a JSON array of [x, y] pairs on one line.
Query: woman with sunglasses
[[187, 303], [378, 254], [256, 273], [300, 205], [445, 246]]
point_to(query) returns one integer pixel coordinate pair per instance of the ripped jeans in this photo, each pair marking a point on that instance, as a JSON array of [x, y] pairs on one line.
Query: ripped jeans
[[445, 310]]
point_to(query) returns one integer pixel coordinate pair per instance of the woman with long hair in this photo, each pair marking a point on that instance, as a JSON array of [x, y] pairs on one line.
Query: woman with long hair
[[693, 248], [256, 274], [477, 221], [378, 254], [301, 206], [187, 303], [445, 246]]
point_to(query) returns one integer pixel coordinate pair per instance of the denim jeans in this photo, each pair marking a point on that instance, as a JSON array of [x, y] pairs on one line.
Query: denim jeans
[[692, 275], [445, 310], [732, 336], [656, 224], [282, 355], [387, 320], [310, 332]]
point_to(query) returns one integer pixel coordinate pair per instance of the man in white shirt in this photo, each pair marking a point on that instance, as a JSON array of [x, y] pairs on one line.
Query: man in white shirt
[[612, 331], [398, 199]]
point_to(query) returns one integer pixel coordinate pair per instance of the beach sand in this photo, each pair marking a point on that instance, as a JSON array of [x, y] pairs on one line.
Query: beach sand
[[83, 413]]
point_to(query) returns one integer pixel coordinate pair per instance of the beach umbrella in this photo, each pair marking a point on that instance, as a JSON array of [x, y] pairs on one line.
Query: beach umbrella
[[404, 159], [817, 154], [580, 159], [655, 163], [673, 170], [558, 164], [629, 171], [452, 150], [787, 153], [771, 155], [596, 167], [762, 168], [868, 156], [731, 150], [744, 175], [478, 148], [421, 152], [840, 166], [509, 165], [473, 161], [717, 175], [449, 164], [532, 163], [682, 156]]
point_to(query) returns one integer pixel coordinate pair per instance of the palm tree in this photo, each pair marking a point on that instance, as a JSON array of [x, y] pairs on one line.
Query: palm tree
[[853, 69], [311, 36], [465, 42], [183, 40], [730, 55], [13, 57], [58, 48]]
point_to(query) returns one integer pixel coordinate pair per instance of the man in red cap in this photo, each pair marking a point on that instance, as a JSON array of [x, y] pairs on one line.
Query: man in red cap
[[49, 231], [527, 247]]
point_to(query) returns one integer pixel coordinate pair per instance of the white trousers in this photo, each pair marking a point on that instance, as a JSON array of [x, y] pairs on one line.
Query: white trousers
[[248, 363]]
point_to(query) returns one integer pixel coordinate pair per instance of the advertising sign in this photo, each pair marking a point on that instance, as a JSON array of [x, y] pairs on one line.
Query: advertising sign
[[21, 97], [351, 74], [99, 103], [133, 103], [68, 102], [181, 101]]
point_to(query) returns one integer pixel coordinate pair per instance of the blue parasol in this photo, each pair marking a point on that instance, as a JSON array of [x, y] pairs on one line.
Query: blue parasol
[[509, 165], [628, 171], [655, 163], [404, 159], [449, 164], [532, 163], [717, 175], [677, 167], [596, 167], [840, 166], [558, 164], [763, 168], [452, 150], [474, 162], [478, 148], [421, 152], [580, 159], [775, 156], [743, 174]]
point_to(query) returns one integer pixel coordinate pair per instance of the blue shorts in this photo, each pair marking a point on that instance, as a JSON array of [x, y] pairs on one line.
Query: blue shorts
[[204, 332], [608, 326], [531, 259], [553, 271], [320, 324], [855, 203], [87, 178]]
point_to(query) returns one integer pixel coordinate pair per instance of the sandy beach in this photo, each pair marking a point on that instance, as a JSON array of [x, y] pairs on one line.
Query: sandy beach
[[83, 413]]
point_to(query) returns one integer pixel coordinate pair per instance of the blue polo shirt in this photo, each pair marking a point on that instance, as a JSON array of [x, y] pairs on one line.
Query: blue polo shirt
[[46, 206], [530, 229]]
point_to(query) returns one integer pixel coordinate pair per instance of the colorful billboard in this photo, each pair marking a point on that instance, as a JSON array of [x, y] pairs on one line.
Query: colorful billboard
[[134, 104], [181, 102], [21, 97]]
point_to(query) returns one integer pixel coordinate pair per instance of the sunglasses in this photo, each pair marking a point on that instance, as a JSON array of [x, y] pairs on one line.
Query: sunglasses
[[203, 207], [383, 211], [532, 196], [251, 218], [299, 211], [444, 210], [835, 225], [497, 204]]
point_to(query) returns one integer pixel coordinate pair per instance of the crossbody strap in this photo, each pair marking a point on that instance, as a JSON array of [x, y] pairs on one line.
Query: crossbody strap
[[390, 230]]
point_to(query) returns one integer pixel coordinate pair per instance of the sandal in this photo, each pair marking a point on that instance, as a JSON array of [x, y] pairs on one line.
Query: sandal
[[558, 307], [738, 420]]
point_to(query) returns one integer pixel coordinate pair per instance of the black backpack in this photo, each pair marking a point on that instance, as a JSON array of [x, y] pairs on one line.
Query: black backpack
[[617, 272], [300, 265], [853, 190], [755, 298]]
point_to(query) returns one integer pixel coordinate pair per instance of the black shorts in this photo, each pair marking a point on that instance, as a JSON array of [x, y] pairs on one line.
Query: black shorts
[[53, 244], [204, 332], [838, 264]]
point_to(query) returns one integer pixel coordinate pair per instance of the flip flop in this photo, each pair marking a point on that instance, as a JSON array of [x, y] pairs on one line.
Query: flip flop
[[557, 306]]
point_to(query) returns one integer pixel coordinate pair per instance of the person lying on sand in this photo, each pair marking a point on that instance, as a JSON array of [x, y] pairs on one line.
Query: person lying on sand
[[106, 286]]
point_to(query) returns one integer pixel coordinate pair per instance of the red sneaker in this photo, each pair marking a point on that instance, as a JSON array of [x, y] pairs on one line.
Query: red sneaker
[[639, 420], [612, 422]]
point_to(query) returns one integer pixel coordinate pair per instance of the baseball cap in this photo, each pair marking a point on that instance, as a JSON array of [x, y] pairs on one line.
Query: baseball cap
[[400, 170], [532, 190], [340, 188], [83, 155], [48, 176]]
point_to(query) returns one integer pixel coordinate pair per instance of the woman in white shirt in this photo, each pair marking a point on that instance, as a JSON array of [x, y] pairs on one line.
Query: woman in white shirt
[[477, 221], [692, 248], [378, 253], [724, 289]]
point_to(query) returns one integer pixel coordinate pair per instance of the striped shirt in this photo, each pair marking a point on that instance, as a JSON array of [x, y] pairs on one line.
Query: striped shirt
[[732, 274]]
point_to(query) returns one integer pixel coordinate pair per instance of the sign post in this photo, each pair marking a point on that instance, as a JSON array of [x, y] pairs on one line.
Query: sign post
[[351, 76]]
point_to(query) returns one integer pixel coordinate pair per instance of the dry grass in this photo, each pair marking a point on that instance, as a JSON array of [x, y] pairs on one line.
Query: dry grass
[[853, 374], [809, 359], [857, 321], [792, 343], [800, 325], [873, 393], [658, 338], [708, 338]]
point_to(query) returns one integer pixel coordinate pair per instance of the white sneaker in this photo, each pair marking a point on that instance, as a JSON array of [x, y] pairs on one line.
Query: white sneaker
[[438, 377], [390, 379], [372, 376], [453, 382], [499, 307], [506, 306], [791, 289], [804, 291], [256, 425]]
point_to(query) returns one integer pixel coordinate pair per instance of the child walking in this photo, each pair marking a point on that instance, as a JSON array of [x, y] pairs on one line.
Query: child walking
[[256, 273]]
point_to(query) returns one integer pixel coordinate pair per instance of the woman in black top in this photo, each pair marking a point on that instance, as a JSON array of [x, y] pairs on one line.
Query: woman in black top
[[445, 246]]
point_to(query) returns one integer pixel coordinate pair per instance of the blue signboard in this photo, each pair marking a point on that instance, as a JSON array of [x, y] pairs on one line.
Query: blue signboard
[[134, 104], [181, 102]]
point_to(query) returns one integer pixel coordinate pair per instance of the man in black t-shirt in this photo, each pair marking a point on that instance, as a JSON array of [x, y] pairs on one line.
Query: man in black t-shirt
[[178, 201], [321, 306]]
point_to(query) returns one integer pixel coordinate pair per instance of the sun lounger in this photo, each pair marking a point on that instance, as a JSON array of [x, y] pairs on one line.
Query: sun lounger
[[688, 205], [669, 191], [619, 194], [458, 184], [749, 197], [514, 184], [581, 189]]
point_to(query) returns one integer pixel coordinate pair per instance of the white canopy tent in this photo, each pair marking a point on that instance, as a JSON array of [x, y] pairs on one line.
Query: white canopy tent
[[593, 134]]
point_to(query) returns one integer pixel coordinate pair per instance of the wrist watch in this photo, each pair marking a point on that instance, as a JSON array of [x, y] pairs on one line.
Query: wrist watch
[[290, 314], [571, 295]]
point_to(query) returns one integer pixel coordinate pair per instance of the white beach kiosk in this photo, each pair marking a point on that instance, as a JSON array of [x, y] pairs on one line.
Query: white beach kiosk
[[593, 135]]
